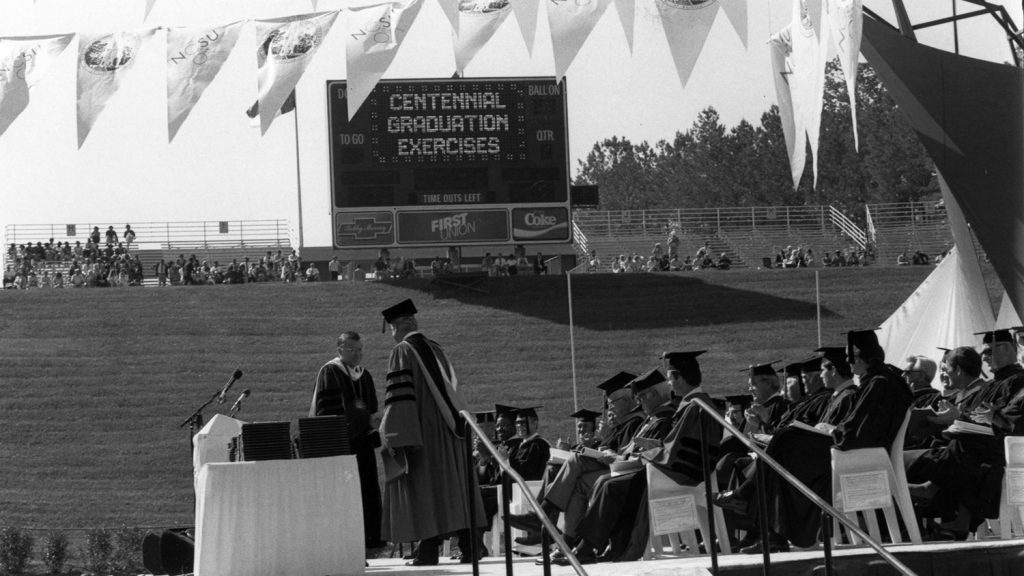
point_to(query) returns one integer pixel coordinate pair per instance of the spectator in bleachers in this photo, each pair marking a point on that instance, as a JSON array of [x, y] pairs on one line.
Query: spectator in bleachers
[[902, 260], [334, 267], [160, 268], [809, 257], [539, 267], [487, 264], [9, 275], [657, 251], [593, 263], [111, 236], [312, 273], [703, 251], [512, 264], [673, 245], [58, 280], [129, 236], [619, 265], [674, 264], [920, 259], [724, 262]]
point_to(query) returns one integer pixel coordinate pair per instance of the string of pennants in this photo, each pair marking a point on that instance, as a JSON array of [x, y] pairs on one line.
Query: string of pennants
[[375, 32]]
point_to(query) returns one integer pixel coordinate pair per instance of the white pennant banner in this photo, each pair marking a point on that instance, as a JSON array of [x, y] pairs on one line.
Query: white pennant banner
[[149, 8], [845, 19], [286, 46], [807, 83], [451, 12], [194, 57], [103, 61], [23, 64], [736, 10], [687, 24], [478, 21], [526, 16], [571, 22], [375, 34], [781, 48], [627, 17]]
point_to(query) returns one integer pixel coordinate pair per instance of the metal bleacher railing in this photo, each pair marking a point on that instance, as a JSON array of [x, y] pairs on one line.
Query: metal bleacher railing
[[746, 234], [164, 235], [908, 227]]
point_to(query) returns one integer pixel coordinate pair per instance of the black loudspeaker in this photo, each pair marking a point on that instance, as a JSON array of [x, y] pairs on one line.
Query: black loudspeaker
[[170, 552]]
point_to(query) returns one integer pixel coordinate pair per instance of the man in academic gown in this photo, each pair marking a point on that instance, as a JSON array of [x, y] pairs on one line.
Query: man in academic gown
[[816, 395], [488, 470], [343, 387], [880, 406], [963, 479], [426, 495], [530, 458], [618, 508]]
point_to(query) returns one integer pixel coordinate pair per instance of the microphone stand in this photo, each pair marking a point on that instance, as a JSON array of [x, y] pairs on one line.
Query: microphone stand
[[195, 423]]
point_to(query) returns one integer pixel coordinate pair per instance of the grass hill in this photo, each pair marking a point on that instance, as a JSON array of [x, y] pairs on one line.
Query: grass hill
[[94, 383]]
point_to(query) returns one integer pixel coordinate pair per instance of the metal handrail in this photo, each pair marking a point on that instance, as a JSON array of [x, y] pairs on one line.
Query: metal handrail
[[470, 419], [848, 227], [796, 483]]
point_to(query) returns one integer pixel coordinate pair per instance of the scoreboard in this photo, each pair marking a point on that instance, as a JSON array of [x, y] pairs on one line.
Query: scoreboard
[[453, 161]]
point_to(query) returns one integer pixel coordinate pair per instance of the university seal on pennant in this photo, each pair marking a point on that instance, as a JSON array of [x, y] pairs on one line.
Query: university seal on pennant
[[111, 52]]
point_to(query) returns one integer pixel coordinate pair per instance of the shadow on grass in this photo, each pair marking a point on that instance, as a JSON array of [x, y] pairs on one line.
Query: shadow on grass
[[626, 302]]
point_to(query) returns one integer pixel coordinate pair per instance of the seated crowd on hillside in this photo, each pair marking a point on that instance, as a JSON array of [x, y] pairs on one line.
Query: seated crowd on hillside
[[918, 258], [800, 257], [840, 398], [272, 267], [98, 262], [662, 260]]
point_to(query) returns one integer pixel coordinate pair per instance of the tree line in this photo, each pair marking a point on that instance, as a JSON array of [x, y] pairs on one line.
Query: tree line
[[709, 165]]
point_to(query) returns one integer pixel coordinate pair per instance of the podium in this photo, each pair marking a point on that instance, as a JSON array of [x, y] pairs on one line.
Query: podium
[[279, 518]]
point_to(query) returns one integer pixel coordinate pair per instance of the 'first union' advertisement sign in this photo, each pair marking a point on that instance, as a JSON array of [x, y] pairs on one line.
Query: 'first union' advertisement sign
[[453, 227]]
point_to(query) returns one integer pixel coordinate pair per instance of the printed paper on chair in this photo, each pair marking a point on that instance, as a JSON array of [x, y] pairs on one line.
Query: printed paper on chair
[[673, 514], [865, 491], [1015, 486]]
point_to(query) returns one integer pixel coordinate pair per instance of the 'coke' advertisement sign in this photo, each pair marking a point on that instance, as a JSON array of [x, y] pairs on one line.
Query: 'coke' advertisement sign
[[540, 224]]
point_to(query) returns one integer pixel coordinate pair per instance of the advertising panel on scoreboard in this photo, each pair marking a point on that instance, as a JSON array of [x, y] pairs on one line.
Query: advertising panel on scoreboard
[[478, 147]]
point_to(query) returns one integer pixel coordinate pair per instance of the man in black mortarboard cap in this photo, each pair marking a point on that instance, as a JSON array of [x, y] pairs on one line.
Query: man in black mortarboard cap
[[963, 480], [793, 388], [532, 455], [586, 428], [769, 403], [425, 454], [685, 363], [487, 468], [735, 406], [879, 408]]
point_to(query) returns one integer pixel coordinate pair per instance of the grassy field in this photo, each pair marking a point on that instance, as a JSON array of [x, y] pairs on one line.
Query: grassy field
[[94, 383]]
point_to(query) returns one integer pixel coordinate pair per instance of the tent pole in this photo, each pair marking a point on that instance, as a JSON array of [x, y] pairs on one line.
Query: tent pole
[[572, 343]]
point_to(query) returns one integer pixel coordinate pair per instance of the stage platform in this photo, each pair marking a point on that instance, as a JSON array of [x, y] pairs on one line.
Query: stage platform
[[984, 558]]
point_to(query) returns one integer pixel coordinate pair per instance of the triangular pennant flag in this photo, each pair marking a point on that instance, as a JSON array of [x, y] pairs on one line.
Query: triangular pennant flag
[[845, 19], [687, 24], [194, 57], [149, 8], [781, 48], [807, 84], [286, 46], [526, 16], [736, 10], [103, 61], [374, 36], [478, 21], [315, 2], [451, 12], [571, 23], [23, 64], [627, 17]]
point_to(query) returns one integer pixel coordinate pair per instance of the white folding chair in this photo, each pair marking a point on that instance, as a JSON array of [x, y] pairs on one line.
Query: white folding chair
[[677, 512], [517, 505], [868, 479], [1011, 500]]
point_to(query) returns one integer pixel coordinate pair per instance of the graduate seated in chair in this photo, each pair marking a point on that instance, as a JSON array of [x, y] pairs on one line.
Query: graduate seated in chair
[[961, 482], [615, 525], [569, 490], [878, 409]]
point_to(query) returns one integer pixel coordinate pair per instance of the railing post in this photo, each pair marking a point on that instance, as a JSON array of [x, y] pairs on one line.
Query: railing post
[[506, 497], [545, 551], [762, 516], [718, 218], [710, 540], [753, 219], [471, 488], [826, 540]]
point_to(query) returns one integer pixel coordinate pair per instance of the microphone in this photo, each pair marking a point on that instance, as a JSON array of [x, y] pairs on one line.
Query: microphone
[[238, 403], [224, 391]]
